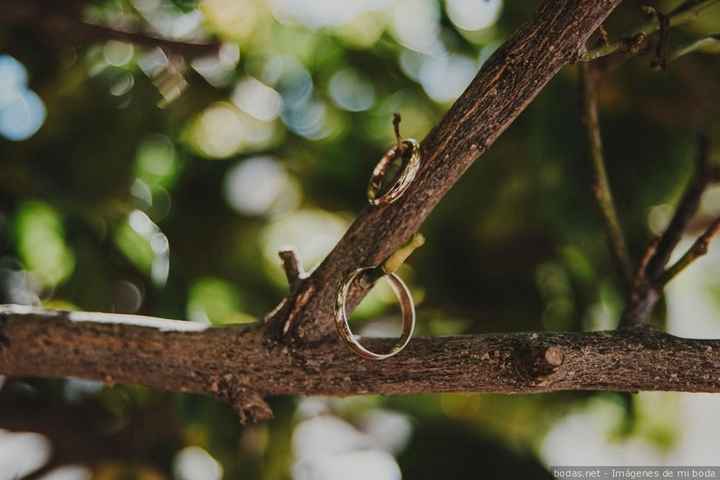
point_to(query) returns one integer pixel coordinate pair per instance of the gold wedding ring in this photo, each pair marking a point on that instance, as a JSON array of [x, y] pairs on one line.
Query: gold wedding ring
[[410, 167], [406, 305]]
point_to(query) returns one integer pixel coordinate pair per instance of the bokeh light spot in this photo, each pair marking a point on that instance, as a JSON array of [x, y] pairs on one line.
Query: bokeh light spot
[[474, 14], [41, 243], [22, 116], [215, 301], [312, 233], [155, 163], [117, 53], [13, 78], [222, 130], [194, 463], [421, 32], [22, 453], [233, 19], [257, 99], [260, 185], [144, 244], [351, 92], [444, 78]]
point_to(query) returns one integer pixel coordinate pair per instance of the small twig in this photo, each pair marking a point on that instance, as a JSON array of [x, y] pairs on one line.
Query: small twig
[[664, 28], [686, 209], [601, 185], [698, 249], [292, 266], [684, 13], [396, 127], [402, 148], [290, 306], [694, 46]]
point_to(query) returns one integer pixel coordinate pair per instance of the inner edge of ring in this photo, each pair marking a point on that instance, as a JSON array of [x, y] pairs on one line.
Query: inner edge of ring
[[402, 294]]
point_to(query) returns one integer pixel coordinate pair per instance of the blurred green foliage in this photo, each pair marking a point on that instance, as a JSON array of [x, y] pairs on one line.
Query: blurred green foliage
[[165, 185]]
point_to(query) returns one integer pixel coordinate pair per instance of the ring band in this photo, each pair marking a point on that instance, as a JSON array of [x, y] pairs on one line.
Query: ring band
[[403, 182], [406, 305]]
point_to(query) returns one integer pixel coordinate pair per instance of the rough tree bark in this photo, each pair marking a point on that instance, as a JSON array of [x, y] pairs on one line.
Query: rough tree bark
[[240, 365], [296, 352]]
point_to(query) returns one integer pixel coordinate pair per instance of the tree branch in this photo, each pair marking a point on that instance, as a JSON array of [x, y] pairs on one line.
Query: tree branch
[[502, 89], [686, 209], [652, 276], [72, 28], [241, 365], [639, 39], [698, 249], [89, 32], [712, 40], [234, 359], [601, 185]]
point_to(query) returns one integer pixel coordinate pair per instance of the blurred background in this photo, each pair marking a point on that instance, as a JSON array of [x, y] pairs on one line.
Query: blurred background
[[161, 178]]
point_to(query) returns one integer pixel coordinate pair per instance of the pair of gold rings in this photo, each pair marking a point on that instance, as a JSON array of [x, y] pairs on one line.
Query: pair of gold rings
[[408, 151]]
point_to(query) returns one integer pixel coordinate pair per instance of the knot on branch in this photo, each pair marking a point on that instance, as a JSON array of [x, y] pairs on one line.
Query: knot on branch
[[247, 403], [554, 356], [534, 362]]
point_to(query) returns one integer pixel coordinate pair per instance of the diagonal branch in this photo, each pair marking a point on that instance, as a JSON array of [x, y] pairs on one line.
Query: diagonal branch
[[601, 185], [697, 250], [651, 276], [686, 209], [502, 89]]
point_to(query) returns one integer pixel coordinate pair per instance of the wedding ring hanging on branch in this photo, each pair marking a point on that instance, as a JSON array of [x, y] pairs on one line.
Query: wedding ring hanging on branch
[[406, 305], [408, 151]]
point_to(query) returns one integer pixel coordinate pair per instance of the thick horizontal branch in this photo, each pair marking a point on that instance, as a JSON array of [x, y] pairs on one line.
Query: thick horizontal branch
[[231, 362], [505, 85]]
